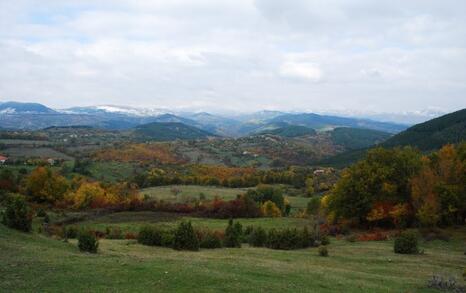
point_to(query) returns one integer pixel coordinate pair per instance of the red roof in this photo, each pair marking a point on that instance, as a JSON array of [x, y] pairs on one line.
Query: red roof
[[2, 158]]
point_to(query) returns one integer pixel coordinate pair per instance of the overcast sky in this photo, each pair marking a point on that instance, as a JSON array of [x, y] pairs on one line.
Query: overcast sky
[[358, 55]]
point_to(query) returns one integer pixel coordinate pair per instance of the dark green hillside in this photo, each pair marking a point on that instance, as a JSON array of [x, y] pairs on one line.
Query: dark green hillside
[[356, 138], [290, 131], [324, 122], [431, 135], [161, 131]]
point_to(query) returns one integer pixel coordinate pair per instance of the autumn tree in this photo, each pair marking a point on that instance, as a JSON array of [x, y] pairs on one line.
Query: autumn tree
[[44, 185], [382, 177]]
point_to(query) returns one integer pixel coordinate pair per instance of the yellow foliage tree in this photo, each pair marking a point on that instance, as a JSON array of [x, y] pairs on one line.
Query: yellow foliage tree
[[92, 195], [270, 209], [45, 185]]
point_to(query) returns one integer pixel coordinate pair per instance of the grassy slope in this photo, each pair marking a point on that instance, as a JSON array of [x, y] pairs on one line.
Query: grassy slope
[[33, 263], [133, 221]]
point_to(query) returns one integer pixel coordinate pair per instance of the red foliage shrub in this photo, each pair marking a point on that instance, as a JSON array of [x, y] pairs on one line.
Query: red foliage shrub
[[131, 235], [374, 236]]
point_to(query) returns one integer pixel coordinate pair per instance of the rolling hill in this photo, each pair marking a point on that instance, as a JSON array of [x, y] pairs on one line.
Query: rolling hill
[[428, 136], [165, 131], [357, 138], [323, 122], [290, 131], [431, 135]]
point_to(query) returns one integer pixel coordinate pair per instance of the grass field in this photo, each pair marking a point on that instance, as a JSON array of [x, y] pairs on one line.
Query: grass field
[[35, 152], [112, 171], [133, 221], [34, 263], [193, 191]]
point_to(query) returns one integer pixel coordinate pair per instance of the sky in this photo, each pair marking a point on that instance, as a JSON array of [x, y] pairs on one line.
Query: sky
[[237, 55]]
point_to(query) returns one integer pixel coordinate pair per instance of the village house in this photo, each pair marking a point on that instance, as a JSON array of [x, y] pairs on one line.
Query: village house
[[3, 159]]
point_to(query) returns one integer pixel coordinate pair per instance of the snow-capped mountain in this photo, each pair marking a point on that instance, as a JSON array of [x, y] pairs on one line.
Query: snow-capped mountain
[[24, 108], [113, 109]]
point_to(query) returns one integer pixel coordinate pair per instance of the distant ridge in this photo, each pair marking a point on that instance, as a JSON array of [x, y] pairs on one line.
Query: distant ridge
[[433, 134], [166, 131]]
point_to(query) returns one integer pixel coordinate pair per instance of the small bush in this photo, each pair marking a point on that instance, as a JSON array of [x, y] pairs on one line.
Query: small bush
[[406, 243], [185, 238], [70, 232], [233, 234], [325, 240], [323, 251], [17, 214], [210, 240], [284, 239], [258, 237], [151, 236], [88, 242]]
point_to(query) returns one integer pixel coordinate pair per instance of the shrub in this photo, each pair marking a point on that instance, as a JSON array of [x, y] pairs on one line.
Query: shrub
[[70, 232], [325, 240], [168, 238], [258, 237], [323, 251], [151, 236], [113, 233], [17, 214], [406, 243], [185, 238], [233, 234], [88, 242], [209, 239], [284, 239]]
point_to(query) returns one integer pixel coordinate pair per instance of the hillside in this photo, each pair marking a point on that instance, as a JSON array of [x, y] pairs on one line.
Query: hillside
[[356, 138], [165, 131], [322, 122], [431, 135], [290, 131]]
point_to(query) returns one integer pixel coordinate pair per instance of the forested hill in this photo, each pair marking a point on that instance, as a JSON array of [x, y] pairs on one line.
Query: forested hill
[[164, 131], [433, 134]]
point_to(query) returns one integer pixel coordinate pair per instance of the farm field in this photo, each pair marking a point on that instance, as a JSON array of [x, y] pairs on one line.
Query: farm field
[[31, 263], [35, 152], [193, 191]]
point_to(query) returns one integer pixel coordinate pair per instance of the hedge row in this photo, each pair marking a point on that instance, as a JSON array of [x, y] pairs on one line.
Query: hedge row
[[184, 237]]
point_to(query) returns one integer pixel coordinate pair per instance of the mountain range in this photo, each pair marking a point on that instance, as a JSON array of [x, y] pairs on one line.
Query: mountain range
[[15, 115]]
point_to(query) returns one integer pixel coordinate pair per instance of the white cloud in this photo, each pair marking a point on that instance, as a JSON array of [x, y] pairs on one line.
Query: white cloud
[[305, 71], [236, 54]]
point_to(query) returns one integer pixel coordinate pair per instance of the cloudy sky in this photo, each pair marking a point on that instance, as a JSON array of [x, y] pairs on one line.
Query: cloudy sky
[[358, 55]]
